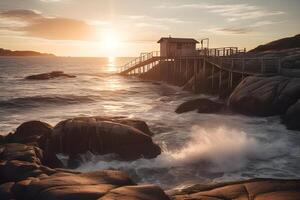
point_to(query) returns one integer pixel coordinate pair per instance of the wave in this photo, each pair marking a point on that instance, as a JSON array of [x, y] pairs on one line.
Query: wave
[[209, 153], [35, 101]]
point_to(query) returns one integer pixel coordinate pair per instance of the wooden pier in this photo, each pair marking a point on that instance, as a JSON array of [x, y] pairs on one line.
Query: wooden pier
[[216, 71]]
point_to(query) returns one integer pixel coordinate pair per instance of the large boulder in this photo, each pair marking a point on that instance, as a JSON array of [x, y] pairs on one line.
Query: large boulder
[[265, 96], [79, 135], [256, 189], [202, 105], [292, 117], [51, 75], [135, 123]]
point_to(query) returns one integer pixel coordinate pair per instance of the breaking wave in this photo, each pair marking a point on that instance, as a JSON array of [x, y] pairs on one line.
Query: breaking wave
[[208, 154]]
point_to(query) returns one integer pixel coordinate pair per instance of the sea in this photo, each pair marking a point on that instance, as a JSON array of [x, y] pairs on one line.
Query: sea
[[197, 148]]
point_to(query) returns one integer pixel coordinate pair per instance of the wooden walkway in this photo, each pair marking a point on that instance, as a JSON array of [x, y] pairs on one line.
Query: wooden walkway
[[210, 70]]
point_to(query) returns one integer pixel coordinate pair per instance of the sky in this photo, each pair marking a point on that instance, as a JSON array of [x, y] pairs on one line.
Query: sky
[[100, 28]]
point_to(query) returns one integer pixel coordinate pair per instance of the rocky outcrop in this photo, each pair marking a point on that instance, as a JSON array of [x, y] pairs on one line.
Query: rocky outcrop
[[201, 105], [101, 136], [256, 189], [265, 96], [51, 75], [23, 176], [284, 43], [292, 117]]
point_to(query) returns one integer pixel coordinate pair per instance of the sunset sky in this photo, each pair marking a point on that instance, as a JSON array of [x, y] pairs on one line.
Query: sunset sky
[[127, 27]]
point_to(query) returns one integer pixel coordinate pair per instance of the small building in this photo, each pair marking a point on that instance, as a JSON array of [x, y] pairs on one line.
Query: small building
[[176, 47]]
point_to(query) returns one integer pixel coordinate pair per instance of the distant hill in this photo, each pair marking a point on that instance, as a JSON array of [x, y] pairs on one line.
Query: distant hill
[[6, 52], [281, 44]]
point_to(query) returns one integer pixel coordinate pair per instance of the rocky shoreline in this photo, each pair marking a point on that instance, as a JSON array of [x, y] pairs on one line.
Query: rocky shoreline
[[257, 96], [29, 168]]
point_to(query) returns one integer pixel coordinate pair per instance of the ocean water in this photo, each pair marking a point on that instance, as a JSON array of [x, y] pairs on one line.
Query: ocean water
[[196, 147]]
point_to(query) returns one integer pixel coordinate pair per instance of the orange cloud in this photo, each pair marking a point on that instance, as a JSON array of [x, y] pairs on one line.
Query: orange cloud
[[52, 28]]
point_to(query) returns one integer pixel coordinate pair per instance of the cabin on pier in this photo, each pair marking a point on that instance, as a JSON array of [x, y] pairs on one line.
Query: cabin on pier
[[176, 47]]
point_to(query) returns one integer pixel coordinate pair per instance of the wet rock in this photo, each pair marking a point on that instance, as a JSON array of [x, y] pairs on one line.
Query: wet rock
[[32, 154], [76, 186], [138, 124], [79, 135], [265, 96], [5, 191], [202, 105], [292, 117], [21, 152], [257, 189], [142, 192], [51, 75], [74, 161], [31, 132], [2, 139], [15, 170]]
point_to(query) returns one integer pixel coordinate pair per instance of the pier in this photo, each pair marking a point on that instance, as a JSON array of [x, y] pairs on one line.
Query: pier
[[207, 70]]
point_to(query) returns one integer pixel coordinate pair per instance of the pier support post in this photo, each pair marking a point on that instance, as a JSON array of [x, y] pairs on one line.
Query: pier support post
[[212, 77], [186, 70], [220, 80], [195, 75]]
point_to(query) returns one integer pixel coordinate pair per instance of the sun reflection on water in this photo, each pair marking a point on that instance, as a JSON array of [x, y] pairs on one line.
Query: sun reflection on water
[[111, 66]]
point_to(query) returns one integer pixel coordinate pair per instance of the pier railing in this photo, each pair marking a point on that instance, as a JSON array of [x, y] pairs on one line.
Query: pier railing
[[223, 51], [142, 58], [248, 65]]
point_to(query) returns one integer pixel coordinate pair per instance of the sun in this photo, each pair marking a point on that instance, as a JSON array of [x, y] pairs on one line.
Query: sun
[[110, 40]]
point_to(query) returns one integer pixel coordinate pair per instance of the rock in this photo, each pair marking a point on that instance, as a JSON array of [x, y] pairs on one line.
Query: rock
[[32, 154], [21, 152], [202, 105], [2, 139], [74, 161], [79, 135], [258, 189], [142, 192], [88, 186], [5, 191], [51, 75], [138, 124], [285, 43], [265, 96], [31, 132], [15, 170], [292, 117]]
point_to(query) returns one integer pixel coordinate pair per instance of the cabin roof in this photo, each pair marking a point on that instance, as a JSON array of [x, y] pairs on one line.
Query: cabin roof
[[177, 40]]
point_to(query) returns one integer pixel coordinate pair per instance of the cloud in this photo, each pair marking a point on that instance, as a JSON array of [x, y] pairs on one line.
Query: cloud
[[228, 30], [34, 24], [233, 12], [150, 23], [50, 1], [242, 29], [59, 29], [24, 15]]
